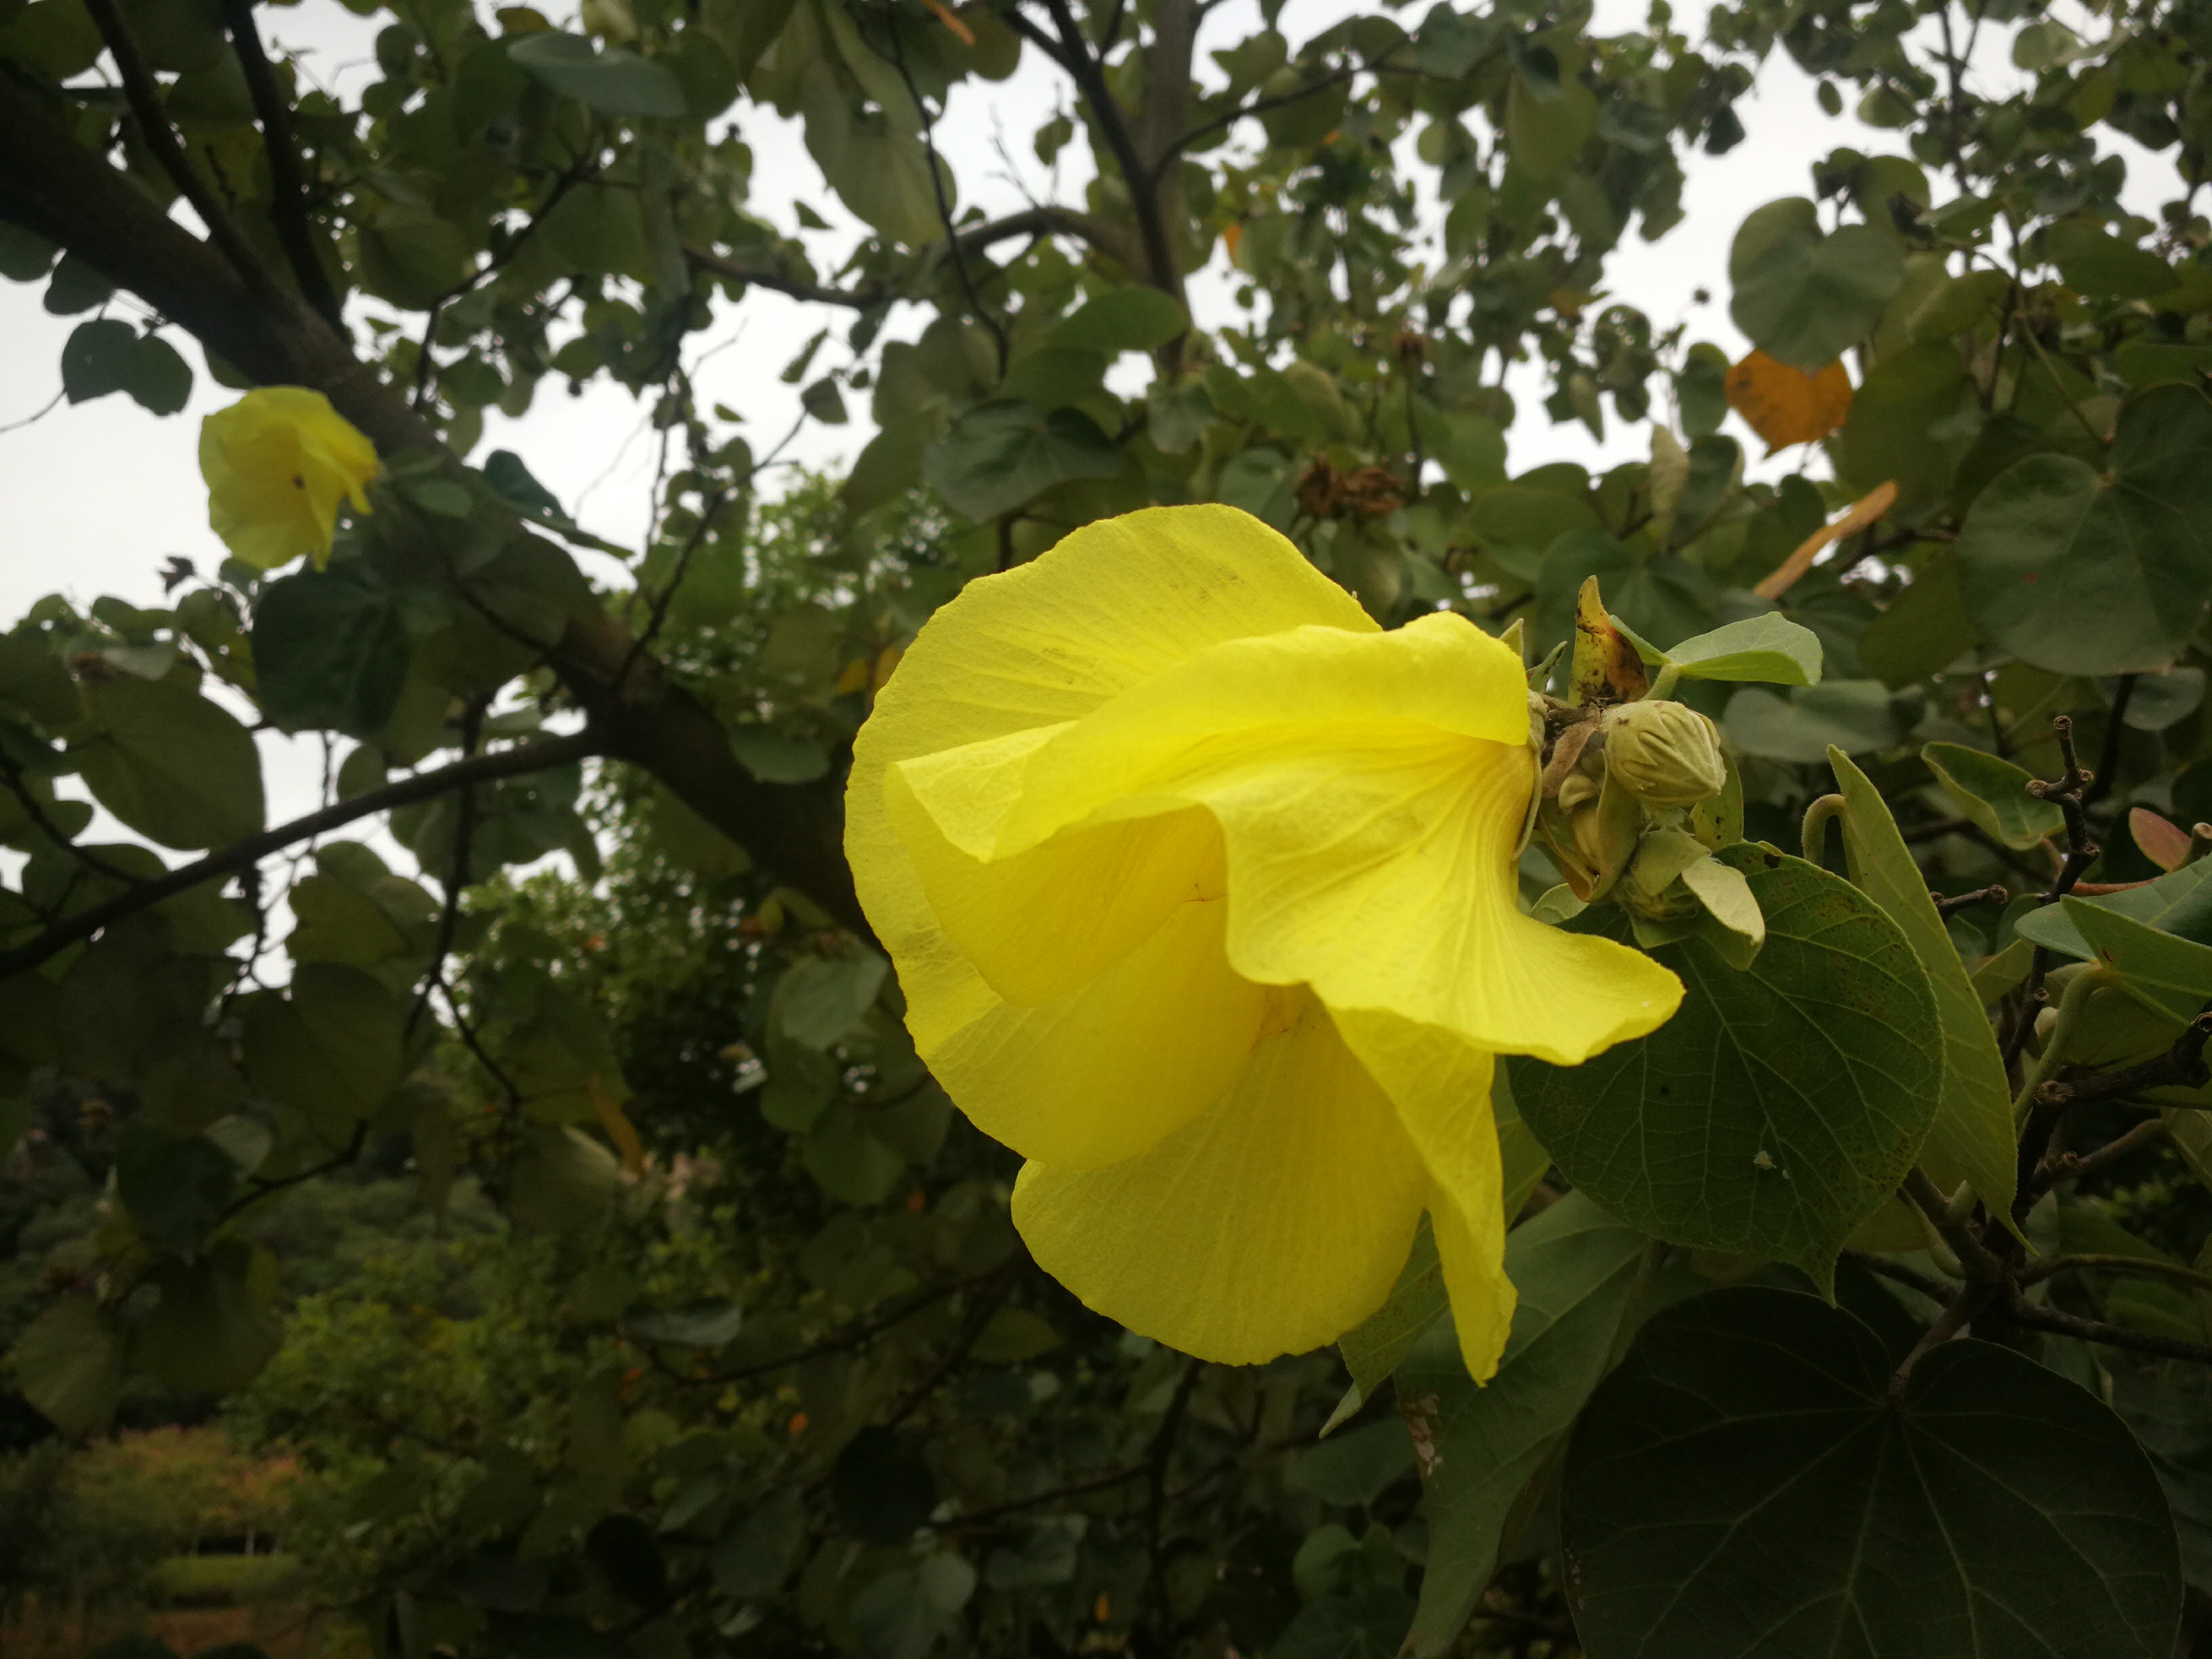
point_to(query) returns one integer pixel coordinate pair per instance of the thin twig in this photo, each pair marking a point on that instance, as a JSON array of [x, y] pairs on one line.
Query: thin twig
[[1156, 1459], [2108, 759], [2138, 1266], [34, 809], [261, 1190], [2076, 1166], [998, 1512], [2021, 1311], [143, 94], [993, 1291], [426, 359], [982, 312], [287, 210], [456, 872], [853, 1336], [1090, 78], [1951, 906], [535, 756]]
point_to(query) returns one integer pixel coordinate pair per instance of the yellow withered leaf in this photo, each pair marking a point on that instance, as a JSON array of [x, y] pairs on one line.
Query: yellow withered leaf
[[1786, 406]]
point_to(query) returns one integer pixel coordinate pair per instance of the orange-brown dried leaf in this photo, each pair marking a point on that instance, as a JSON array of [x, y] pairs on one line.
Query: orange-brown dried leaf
[[1786, 406]]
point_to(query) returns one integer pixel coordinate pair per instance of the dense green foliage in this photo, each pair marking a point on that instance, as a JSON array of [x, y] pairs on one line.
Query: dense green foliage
[[600, 1248]]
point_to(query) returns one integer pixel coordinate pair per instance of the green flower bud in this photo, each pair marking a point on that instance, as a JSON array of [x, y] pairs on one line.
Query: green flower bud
[[1665, 754]]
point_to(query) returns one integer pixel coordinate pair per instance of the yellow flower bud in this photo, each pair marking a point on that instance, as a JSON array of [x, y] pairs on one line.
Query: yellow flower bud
[[1665, 754], [277, 463]]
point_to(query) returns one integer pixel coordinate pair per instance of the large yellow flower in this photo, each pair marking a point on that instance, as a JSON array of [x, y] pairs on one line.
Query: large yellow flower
[[277, 463], [1201, 891]]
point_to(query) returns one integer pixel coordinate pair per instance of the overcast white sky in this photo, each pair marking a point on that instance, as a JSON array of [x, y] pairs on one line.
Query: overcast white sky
[[96, 496]]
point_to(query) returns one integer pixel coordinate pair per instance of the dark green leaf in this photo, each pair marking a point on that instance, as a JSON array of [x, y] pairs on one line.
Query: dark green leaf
[[1781, 1105], [1001, 454], [1574, 1268], [1910, 423], [1992, 793], [2087, 572], [331, 651], [1367, 1625], [212, 1331], [1972, 1134], [175, 1187], [613, 81], [1354, 1466], [170, 763], [1665, 599], [760, 1554], [775, 758], [622, 1547], [69, 1363], [695, 1325], [561, 1180], [1134, 317], [2097, 262], [504, 471], [1802, 295], [1856, 716], [821, 999], [330, 1045], [1744, 1484]]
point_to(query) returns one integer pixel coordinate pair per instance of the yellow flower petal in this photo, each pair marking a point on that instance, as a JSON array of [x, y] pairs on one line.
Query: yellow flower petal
[[1271, 1225], [1040, 924], [1120, 1062], [1223, 713], [1441, 1086], [1370, 792], [278, 464], [1112, 605]]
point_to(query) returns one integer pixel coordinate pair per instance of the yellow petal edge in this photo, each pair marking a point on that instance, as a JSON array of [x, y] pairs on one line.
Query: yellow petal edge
[[1201, 889]]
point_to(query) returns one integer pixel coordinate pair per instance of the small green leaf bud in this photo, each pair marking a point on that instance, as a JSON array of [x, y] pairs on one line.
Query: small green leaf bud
[[1665, 754]]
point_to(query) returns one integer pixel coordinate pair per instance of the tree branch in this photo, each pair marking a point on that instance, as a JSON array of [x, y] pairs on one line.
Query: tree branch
[[229, 861], [2138, 1265], [287, 210], [58, 190], [143, 93], [1113, 123], [1089, 228], [856, 299], [1174, 147], [2181, 1067], [2021, 1311]]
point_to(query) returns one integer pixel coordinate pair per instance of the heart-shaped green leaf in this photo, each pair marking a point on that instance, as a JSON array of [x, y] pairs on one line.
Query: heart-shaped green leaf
[[1803, 296], [1782, 1104], [1744, 1484], [2087, 572]]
